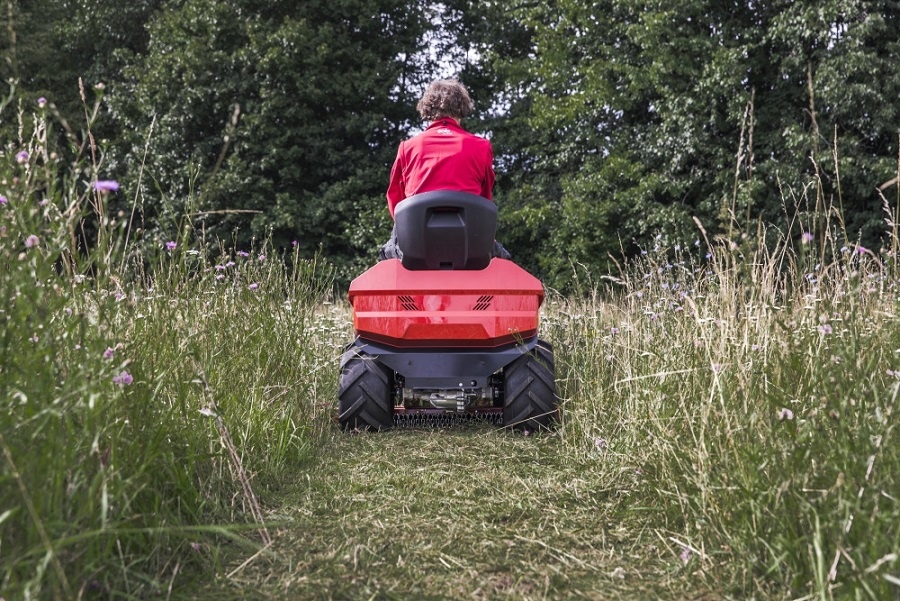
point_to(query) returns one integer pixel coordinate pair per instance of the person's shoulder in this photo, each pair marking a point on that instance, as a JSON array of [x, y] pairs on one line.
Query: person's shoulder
[[479, 140], [473, 136]]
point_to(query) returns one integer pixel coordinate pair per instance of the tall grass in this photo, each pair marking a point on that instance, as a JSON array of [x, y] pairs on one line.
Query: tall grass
[[143, 403], [752, 396], [743, 402]]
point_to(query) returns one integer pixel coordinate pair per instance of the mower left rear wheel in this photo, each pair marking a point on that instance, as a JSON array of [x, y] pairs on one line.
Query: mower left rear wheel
[[364, 395]]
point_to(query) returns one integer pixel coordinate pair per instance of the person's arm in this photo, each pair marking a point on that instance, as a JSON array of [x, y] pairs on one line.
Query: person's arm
[[487, 184], [396, 190]]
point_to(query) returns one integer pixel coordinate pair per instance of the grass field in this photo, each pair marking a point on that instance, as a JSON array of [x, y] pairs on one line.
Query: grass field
[[729, 427]]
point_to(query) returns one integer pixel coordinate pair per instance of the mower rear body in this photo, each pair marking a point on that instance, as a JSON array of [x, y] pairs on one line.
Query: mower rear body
[[433, 334]]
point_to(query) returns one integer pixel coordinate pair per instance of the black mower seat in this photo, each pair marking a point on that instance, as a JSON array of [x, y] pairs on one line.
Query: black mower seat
[[446, 229]]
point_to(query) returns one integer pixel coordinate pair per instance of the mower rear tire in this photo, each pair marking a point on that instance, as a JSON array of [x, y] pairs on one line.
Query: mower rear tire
[[364, 395], [530, 401]]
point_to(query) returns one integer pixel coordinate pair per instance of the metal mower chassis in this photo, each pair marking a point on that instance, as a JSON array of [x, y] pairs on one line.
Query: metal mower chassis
[[442, 368], [520, 380]]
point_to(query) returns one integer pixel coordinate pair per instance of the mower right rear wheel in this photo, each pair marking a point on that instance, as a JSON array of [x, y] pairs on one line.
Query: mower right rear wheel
[[364, 395], [530, 401]]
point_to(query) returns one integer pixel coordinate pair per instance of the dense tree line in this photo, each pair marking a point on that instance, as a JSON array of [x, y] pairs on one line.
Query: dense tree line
[[612, 121]]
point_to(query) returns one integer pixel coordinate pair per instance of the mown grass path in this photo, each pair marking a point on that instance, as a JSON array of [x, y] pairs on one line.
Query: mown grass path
[[470, 512]]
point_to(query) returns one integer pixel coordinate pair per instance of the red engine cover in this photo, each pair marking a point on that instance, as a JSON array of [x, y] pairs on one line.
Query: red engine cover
[[486, 308]]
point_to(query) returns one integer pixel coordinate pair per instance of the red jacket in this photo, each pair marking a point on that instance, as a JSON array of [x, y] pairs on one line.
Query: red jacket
[[443, 157]]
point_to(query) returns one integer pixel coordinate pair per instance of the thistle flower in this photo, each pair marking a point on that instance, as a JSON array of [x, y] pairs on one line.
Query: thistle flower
[[32, 241], [3, 200], [123, 379], [22, 157], [806, 238], [42, 102], [253, 286], [106, 185], [171, 245], [109, 352]]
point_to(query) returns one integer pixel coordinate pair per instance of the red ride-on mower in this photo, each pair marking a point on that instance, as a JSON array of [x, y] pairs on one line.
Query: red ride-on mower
[[446, 332]]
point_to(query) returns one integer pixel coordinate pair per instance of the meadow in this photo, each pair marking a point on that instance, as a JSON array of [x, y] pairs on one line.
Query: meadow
[[728, 428]]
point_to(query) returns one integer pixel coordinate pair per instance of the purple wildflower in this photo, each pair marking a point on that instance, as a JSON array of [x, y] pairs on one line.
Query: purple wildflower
[[861, 250], [22, 157], [32, 241], [106, 185], [262, 258], [42, 102], [220, 267], [806, 238], [785, 414], [614, 330], [220, 276], [229, 264], [253, 286], [109, 352], [243, 253], [123, 379], [686, 555], [171, 245], [825, 329], [293, 243], [3, 200]]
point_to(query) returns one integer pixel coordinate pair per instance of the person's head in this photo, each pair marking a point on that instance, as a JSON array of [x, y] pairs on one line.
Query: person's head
[[445, 98]]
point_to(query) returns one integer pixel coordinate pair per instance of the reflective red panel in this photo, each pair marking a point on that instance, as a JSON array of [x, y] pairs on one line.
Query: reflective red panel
[[489, 307]]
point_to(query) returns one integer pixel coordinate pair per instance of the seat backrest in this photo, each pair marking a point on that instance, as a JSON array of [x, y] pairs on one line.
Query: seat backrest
[[446, 229]]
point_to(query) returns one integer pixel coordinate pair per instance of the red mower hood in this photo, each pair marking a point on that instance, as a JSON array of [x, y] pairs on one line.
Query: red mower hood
[[447, 308]]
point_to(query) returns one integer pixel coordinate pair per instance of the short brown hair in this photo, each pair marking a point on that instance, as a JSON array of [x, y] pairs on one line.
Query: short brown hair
[[445, 98]]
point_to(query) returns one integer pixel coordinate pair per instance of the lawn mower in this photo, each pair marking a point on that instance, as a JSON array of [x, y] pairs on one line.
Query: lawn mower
[[446, 332]]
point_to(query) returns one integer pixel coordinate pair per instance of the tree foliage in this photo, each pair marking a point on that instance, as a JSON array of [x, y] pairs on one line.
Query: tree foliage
[[612, 121], [647, 114]]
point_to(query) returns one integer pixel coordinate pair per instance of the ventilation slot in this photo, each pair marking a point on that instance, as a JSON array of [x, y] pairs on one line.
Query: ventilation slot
[[483, 303], [408, 303]]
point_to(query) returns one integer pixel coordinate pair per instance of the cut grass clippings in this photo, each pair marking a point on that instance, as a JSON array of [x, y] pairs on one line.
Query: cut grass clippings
[[469, 512]]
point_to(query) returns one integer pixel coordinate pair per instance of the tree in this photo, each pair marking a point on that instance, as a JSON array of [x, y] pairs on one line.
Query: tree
[[649, 114], [273, 119]]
